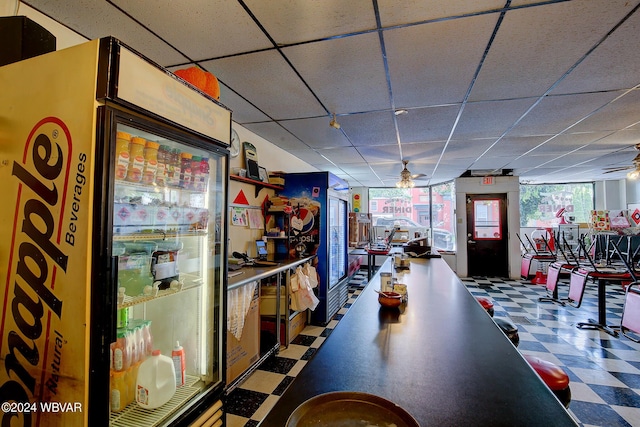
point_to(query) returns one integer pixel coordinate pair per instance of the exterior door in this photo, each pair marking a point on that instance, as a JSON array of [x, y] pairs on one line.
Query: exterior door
[[487, 235]]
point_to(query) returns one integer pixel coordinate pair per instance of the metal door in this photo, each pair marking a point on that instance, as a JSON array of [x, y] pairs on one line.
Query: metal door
[[487, 235]]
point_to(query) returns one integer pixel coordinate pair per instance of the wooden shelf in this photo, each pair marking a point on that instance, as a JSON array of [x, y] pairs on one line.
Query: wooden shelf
[[258, 184]]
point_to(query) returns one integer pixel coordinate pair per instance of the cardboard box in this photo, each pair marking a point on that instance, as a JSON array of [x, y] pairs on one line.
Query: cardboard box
[[296, 325], [241, 354], [268, 300]]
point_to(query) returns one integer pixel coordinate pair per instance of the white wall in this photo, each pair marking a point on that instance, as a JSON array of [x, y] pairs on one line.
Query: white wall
[[270, 157]]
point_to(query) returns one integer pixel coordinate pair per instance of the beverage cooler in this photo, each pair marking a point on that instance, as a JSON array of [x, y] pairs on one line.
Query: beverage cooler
[[319, 220], [115, 177]]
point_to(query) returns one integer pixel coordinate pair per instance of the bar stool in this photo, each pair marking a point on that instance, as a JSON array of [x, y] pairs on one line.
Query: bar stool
[[509, 329], [553, 376], [487, 304]]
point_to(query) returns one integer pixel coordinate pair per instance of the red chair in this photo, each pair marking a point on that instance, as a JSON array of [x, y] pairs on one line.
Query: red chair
[[553, 376], [631, 313], [553, 275], [577, 283]]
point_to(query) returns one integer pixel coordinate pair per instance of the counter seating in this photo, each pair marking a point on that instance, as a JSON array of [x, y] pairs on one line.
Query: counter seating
[[487, 304], [553, 376], [509, 329]]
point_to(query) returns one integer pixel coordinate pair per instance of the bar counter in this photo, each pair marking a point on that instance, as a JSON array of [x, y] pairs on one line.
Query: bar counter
[[442, 359]]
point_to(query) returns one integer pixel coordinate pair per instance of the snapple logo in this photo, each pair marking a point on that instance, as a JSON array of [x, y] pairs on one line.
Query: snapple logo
[[35, 259]]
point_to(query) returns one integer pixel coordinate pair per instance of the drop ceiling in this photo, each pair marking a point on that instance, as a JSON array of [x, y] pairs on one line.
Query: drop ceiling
[[548, 89]]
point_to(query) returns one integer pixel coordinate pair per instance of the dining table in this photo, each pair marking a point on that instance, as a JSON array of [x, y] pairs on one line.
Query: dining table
[[439, 357], [604, 277]]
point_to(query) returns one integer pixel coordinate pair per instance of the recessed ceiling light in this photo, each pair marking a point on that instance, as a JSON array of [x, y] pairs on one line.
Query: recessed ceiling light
[[400, 112]]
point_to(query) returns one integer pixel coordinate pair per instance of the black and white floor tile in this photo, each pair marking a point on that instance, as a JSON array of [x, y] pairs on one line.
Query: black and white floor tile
[[604, 370]]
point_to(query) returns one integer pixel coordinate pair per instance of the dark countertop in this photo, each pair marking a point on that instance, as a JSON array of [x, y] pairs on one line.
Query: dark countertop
[[443, 359]]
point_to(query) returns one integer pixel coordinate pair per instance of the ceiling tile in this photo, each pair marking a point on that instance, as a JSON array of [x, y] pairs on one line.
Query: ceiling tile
[[391, 14], [614, 64], [190, 24], [357, 80], [316, 132], [277, 135], [440, 67], [491, 118], [427, 124], [269, 82], [374, 128], [290, 22], [96, 19], [536, 46]]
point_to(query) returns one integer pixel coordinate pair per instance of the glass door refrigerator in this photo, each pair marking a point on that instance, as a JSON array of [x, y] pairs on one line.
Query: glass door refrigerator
[[113, 242], [319, 221]]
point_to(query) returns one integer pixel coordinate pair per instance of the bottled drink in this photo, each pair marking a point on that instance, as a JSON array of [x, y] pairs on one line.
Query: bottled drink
[[119, 393], [121, 351], [150, 163], [123, 140], [136, 159], [161, 172], [204, 172], [195, 172], [185, 170], [177, 355], [174, 171]]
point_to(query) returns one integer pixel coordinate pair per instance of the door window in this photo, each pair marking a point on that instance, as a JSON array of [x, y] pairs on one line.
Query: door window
[[486, 219]]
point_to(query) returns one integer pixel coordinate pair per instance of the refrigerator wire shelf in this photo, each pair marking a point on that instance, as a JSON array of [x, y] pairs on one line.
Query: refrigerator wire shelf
[[134, 415]]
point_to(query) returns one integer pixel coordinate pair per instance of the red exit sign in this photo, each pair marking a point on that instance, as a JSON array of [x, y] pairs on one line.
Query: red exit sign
[[488, 180]]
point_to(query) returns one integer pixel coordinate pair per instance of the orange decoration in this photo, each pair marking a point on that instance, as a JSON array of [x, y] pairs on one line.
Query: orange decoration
[[203, 80]]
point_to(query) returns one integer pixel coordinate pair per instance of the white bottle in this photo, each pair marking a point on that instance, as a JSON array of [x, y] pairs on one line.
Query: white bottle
[[178, 363], [156, 383]]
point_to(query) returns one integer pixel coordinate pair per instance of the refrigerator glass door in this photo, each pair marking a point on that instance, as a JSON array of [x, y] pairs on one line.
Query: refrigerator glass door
[[337, 240], [168, 204]]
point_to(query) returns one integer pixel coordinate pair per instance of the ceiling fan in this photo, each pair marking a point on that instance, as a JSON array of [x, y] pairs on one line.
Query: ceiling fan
[[635, 173], [406, 178]]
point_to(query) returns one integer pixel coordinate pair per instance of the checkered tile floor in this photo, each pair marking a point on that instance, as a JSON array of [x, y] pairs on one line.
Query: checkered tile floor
[[604, 371]]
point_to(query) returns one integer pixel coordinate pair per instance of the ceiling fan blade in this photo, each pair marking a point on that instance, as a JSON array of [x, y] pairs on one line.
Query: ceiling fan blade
[[418, 175], [617, 169]]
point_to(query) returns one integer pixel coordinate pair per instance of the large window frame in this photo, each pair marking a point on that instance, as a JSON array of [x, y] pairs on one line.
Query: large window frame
[[427, 207], [542, 205]]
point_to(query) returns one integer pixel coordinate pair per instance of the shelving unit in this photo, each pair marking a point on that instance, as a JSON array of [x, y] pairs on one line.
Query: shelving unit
[[259, 185]]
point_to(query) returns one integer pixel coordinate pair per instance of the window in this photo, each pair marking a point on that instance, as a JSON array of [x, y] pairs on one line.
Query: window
[[418, 207], [541, 203]]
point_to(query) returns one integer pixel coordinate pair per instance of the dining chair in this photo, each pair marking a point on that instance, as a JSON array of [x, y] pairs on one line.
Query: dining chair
[[630, 322], [577, 283], [553, 276]]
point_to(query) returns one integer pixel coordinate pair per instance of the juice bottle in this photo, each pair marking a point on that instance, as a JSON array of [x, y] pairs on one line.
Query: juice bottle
[[204, 172], [162, 166], [119, 392], [174, 180], [121, 351], [150, 162], [185, 170], [195, 172], [136, 159], [123, 140], [148, 339], [130, 380]]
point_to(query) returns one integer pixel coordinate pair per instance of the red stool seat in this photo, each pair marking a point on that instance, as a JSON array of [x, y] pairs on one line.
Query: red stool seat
[[553, 376], [487, 304]]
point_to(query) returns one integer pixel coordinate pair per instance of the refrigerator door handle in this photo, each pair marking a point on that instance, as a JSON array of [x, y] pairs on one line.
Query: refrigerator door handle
[[112, 304]]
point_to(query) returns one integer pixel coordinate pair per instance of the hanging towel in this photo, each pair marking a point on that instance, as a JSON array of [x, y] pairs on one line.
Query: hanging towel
[[238, 303]]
